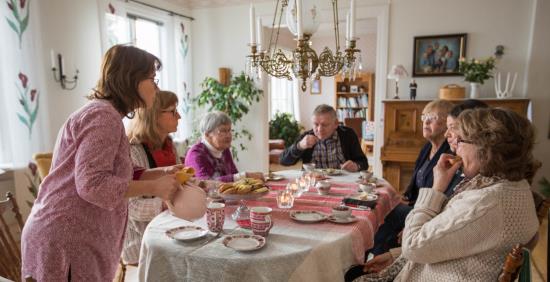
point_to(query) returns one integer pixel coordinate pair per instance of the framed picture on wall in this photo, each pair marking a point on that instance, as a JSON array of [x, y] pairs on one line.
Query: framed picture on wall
[[316, 86], [438, 55], [354, 89]]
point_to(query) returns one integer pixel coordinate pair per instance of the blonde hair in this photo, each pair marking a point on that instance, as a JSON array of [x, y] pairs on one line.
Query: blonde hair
[[504, 142], [443, 107], [144, 127]]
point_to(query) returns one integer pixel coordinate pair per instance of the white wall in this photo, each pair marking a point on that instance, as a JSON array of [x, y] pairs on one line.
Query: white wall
[[538, 89], [488, 23]]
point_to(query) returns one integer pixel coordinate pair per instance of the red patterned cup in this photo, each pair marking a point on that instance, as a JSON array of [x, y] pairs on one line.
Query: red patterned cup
[[215, 216], [260, 220]]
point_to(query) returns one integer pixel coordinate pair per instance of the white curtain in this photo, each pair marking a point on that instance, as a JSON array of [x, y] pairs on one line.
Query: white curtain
[[184, 82], [23, 98], [284, 97]]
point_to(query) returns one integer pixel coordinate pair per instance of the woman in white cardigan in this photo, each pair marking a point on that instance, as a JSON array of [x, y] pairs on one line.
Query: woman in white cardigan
[[466, 237]]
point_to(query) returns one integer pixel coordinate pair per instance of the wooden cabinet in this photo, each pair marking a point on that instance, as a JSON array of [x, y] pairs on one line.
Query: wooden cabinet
[[403, 135], [355, 99]]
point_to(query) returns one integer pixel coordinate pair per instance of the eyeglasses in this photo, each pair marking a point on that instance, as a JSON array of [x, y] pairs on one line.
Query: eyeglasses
[[224, 131], [460, 140], [174, 112], [429, 117]]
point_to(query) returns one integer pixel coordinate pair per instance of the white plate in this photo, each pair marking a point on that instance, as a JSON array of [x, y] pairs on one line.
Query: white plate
[[244, 242], [366, 197], [307, 216], [346, 220], [186, 233], [274, 177], [332, 171]]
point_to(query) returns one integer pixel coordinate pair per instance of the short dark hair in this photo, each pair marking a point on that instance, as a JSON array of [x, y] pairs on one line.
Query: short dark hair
[[466, 105], [324, 109], [123, 68]]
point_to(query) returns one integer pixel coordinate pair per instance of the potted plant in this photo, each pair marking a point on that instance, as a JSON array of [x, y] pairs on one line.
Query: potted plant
[[476, 72], [284, 126], [234, 99]]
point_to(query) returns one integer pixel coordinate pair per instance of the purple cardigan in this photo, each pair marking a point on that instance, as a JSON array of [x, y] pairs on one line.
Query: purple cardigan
[[205, 164]]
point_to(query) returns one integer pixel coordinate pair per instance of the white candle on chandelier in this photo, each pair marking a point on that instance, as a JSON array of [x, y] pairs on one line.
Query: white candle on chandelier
[[299, 18], [352, 21], [52, 58], [347, 26], [260, 36], [252, 24]]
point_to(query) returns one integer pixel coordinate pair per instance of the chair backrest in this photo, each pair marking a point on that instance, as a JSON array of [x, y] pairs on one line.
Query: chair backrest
[[512, 264], [44, 163], [356, 124], [10, 251]]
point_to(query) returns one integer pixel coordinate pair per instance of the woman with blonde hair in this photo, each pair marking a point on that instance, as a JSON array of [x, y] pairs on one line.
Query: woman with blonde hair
[[75, 230], [150, 147]]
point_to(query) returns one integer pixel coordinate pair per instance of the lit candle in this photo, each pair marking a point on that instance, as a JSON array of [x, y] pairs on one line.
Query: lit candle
[[52, 58], [299, 18], [252, 24], [352, 20], [260, 31], [347, 26]]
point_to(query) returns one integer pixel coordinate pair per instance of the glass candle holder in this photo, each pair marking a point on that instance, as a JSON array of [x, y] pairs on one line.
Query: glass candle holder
[[285, 199], [295, 189]]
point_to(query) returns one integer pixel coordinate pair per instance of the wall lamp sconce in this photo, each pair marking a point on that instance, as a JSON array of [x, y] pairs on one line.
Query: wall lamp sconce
[[58, 74]]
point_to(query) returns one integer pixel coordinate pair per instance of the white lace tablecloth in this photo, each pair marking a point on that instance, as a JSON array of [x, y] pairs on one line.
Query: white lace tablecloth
[[294, 251]]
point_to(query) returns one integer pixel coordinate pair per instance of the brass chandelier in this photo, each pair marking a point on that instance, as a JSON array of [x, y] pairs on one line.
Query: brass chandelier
[[304, 63]]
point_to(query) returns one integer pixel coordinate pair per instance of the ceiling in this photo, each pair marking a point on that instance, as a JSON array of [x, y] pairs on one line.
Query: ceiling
[[195, 4]]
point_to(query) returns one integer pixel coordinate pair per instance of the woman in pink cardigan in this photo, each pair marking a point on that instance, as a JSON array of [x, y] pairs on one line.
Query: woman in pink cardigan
[[211, 156], [76, 227]]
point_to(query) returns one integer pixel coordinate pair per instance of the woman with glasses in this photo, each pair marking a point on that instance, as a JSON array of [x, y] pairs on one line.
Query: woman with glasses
[[466, 237], [75, 230], [151, 147], [211, 156]]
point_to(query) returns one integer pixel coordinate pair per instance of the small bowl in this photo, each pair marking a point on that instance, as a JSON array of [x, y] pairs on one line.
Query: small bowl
[[341, 212], [367, 187], [323, 187]]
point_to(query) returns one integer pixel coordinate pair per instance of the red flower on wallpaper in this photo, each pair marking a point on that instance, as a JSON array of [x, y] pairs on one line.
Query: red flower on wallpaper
[[21, 21], [111, 8], [28, 99], [24, 79]]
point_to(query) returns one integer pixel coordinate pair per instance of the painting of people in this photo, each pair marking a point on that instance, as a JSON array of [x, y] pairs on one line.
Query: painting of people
[[438, 55]]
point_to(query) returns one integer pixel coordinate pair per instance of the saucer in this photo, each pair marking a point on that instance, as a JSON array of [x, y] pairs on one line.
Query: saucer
[[340, 220], [186, 233], [244, 242], [307, 216]]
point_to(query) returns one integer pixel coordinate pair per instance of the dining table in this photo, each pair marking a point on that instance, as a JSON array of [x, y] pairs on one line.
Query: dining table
[[293, 250]]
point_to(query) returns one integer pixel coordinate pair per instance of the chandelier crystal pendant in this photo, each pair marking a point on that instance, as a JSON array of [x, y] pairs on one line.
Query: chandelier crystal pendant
[[303, 63]]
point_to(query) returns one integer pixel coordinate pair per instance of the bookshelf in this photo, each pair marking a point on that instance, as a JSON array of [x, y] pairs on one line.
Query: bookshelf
[[355, 99]]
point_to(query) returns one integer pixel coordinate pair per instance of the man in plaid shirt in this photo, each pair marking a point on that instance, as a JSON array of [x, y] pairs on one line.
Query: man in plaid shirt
[[328, 144]]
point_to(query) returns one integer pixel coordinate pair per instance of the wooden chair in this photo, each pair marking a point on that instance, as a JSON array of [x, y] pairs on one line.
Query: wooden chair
[[356, 124], [10, 250]]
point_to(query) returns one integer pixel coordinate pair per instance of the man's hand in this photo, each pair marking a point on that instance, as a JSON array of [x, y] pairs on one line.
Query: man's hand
[[350, 166], [307, 142]]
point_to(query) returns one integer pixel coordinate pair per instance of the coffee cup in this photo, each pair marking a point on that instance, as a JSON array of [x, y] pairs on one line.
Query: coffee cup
[[215, 216], [260, 220], [367, 187], [365, 175], [323, 187], [341, 211]]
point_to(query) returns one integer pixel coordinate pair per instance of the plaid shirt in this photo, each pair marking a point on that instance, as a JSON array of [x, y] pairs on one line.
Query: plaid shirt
[[328, 153]]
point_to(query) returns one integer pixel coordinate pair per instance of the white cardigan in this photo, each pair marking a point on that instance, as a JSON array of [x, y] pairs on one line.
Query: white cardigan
[[469, 239]]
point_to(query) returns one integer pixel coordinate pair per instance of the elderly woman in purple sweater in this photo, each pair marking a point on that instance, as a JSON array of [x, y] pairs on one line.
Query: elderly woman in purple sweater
[[211, 156]]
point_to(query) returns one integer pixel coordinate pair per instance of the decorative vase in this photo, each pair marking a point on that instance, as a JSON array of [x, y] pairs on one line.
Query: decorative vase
[[475, 89]]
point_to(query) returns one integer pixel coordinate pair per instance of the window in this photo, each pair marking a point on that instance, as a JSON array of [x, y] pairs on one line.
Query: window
[[284, 97]]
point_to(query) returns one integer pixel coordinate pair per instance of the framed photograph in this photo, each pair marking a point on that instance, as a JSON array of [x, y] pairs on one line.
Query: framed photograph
[[316, 86], [438, 55], [354, 89]]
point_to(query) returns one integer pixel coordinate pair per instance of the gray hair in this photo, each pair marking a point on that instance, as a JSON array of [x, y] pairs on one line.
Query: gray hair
[[324, 109], [212, 120]]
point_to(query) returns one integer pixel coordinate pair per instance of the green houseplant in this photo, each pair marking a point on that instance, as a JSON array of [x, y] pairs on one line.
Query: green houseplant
[[234, 99], [284, 126]]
